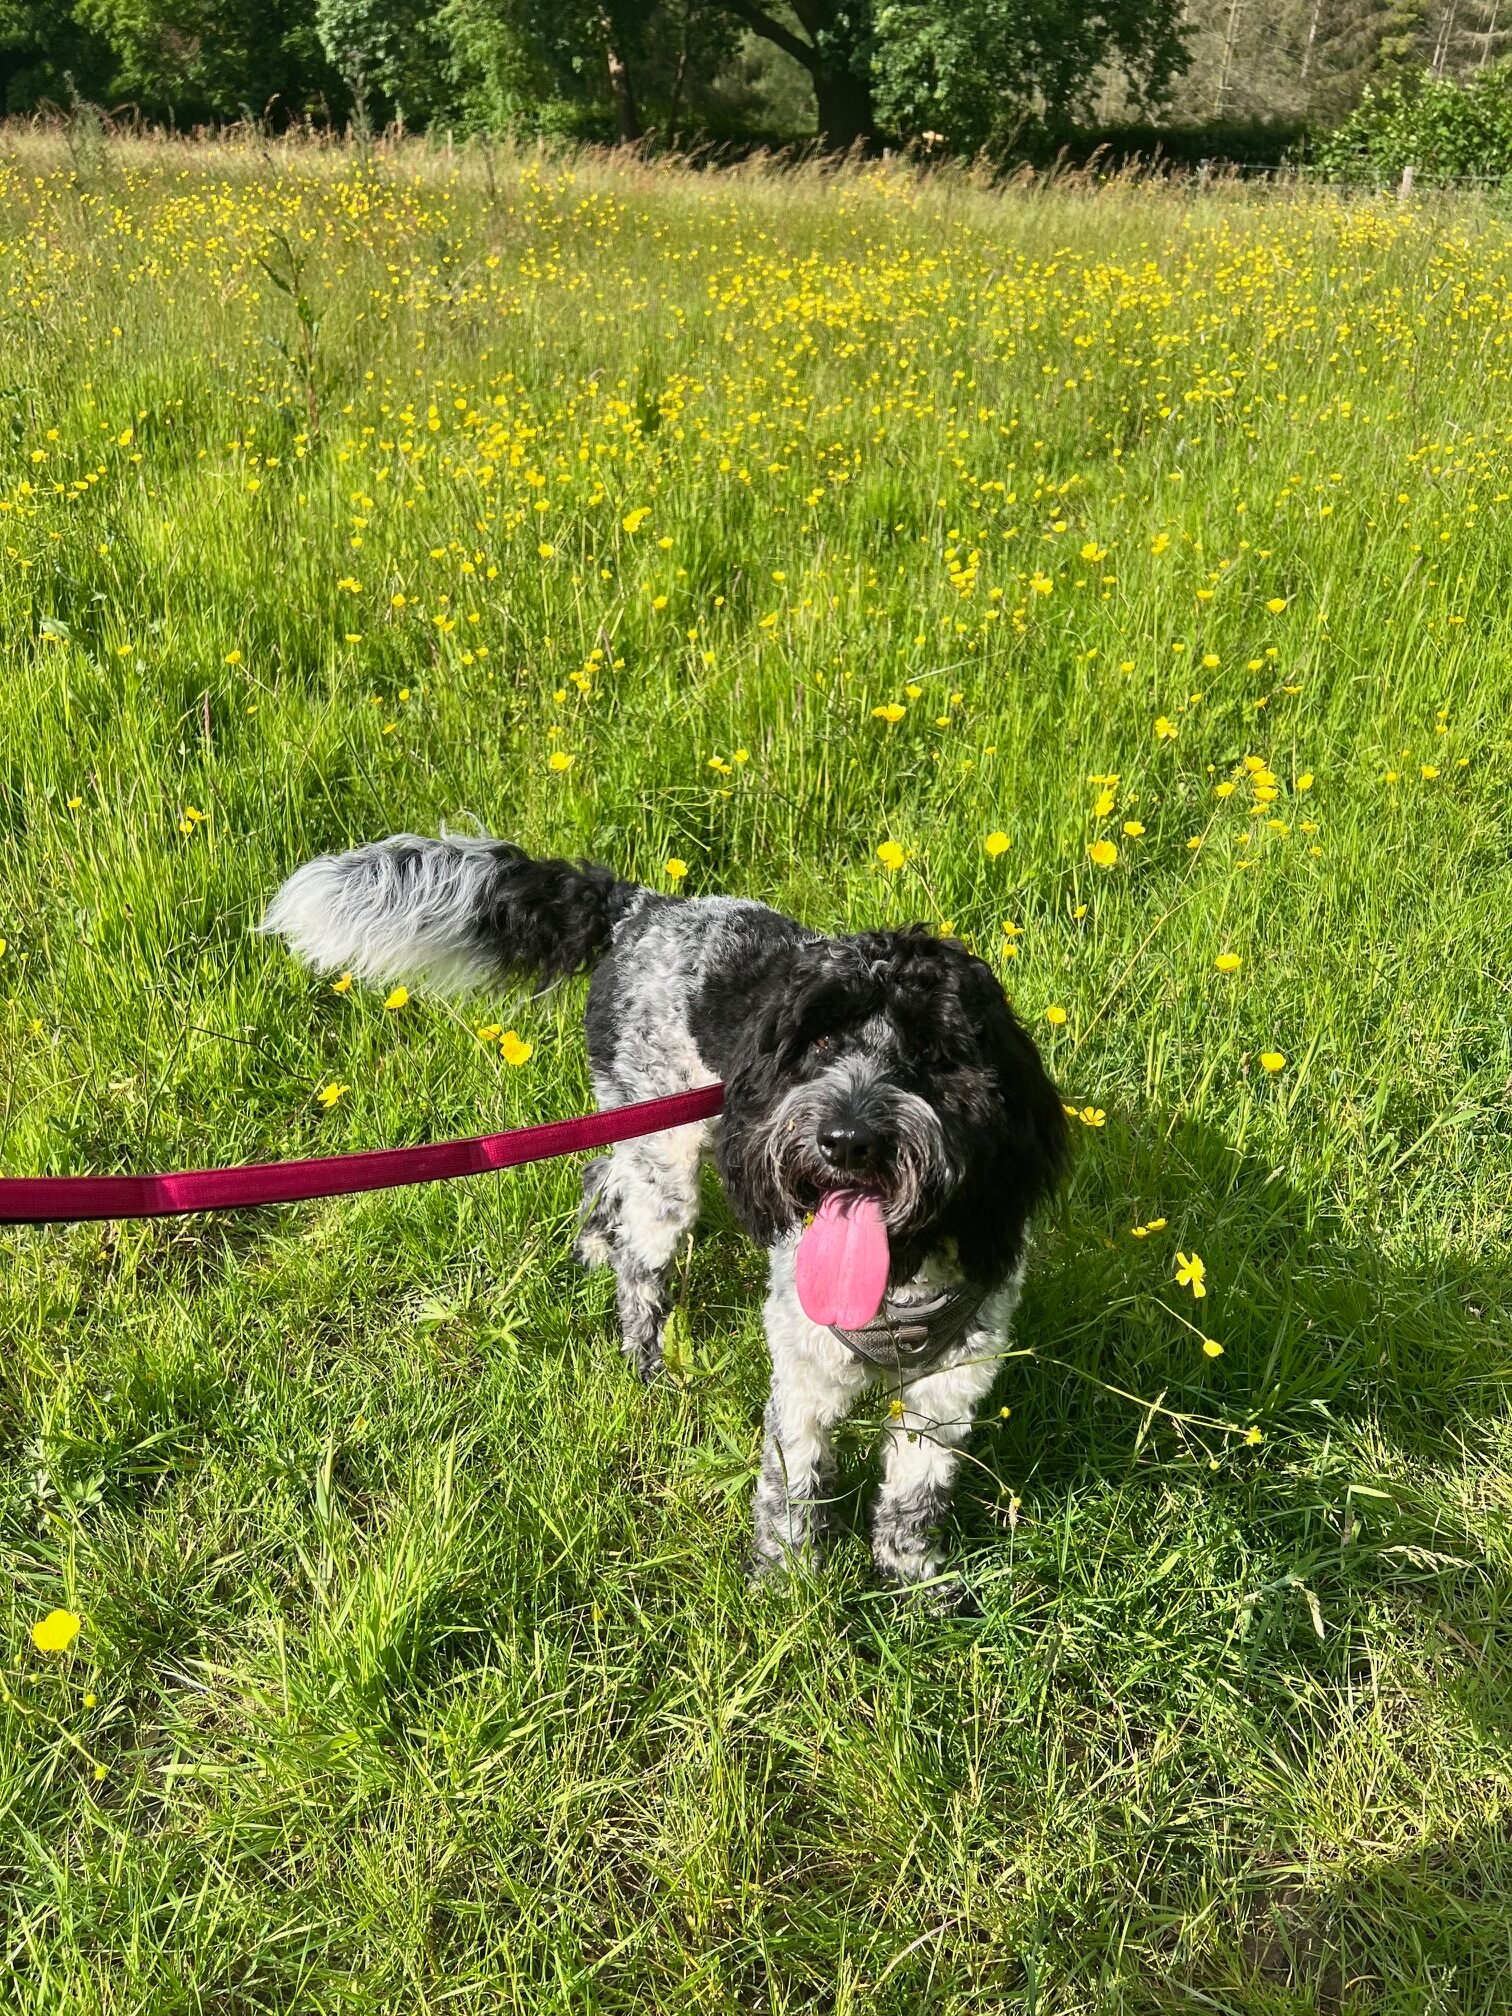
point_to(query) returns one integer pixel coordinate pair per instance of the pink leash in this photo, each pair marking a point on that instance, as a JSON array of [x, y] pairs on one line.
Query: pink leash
[[56, 1200]]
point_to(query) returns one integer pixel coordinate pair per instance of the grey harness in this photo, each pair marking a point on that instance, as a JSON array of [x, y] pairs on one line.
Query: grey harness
[[903, 1336]]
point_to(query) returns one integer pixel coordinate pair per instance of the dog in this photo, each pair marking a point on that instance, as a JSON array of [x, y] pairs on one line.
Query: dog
[[876, 1084]]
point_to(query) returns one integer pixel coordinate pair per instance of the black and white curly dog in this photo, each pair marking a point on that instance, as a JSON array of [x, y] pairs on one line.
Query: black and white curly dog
[[885, 1066]]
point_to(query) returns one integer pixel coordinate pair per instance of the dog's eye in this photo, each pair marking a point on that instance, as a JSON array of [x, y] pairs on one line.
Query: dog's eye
[[823, 1044]]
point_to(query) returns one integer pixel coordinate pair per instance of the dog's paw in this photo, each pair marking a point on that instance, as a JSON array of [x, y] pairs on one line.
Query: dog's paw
[[592, 1248], [645, 1360]]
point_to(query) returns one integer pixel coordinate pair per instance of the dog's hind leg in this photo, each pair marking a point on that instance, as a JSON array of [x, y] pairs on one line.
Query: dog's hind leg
[[639, 1204]]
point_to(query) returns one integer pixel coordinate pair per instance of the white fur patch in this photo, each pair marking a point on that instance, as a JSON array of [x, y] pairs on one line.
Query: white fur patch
[[385, 915]]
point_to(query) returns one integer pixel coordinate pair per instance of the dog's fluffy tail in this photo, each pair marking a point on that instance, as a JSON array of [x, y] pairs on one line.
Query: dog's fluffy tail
[[454, 911]]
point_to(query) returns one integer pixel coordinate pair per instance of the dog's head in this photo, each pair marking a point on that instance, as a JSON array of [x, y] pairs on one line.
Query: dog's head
[[891, 1062]]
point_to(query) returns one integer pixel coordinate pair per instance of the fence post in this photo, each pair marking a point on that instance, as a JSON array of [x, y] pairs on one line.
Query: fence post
[[1404, 188]]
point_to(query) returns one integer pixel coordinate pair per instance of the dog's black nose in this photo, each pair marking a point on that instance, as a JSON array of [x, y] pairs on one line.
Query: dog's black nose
[[848, 1144]]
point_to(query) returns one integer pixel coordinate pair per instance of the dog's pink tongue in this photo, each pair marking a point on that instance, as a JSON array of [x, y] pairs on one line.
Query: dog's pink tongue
[[842, 1261]]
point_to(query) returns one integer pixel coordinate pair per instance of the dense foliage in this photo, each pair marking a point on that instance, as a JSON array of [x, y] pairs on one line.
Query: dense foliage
[[972, 74], [1432, 125]]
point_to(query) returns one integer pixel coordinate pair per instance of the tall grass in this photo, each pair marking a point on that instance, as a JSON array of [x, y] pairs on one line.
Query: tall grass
[[803, 513]]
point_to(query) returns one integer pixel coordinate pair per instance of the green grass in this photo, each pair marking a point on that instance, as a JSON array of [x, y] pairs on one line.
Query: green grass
[[418, 1669]]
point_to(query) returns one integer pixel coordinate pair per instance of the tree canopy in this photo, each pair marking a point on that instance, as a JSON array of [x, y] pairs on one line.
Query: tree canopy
[[970, 73]]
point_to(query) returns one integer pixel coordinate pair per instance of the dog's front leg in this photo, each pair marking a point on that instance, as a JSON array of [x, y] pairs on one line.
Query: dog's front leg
[[920, 1457], [639, 1204], [815, 1383]]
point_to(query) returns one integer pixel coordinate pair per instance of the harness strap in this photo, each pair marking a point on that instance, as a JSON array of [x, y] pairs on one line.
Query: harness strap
[[904, 1335]]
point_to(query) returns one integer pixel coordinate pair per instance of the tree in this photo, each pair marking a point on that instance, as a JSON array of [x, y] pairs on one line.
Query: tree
[[391, 49], [833, 40], [970, 70], [979, 71], [204, 59]]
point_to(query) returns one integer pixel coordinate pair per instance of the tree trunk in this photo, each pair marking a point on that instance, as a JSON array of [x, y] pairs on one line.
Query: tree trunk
[[1490, 36], [626, 118], [679, 76], [845, 110], [1225, 68], [1312, 36], [1445, 38], [844, 99]]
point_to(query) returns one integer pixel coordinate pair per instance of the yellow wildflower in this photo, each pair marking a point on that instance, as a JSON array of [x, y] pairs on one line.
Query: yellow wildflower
[[1191, 1273], [56, 1631]]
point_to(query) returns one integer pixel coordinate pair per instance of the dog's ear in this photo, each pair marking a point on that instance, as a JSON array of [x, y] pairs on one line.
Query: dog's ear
[[1023, 1148], [753, 1082]]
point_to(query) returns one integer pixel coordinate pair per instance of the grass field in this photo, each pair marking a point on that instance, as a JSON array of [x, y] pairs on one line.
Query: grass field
[[807, 533]]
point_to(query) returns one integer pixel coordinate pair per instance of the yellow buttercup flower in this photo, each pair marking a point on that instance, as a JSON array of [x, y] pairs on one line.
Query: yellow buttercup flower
[[513, 1049], [1191, 1273], [559, 761], [996, 843], [343, 985], [1272, 1060], [1228, 962], [398, 998], [633, 520], [892, 712], [1056, 1017], [676, 869], [330, 1095], [891, 855], [1103, 852], [1276, 604], [56, 1631]]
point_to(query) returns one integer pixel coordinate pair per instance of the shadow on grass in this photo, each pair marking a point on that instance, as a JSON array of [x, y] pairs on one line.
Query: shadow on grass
[[1318, 1621]]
